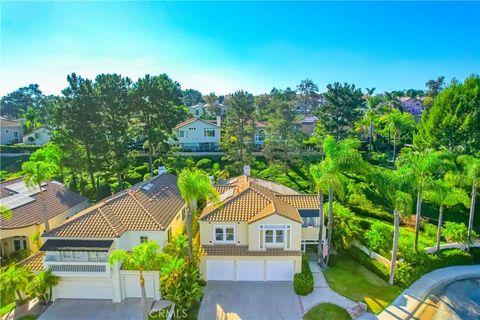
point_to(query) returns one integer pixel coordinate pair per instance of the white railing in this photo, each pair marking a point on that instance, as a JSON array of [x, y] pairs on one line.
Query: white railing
[[86, 268], [462, 246], [372, 254]]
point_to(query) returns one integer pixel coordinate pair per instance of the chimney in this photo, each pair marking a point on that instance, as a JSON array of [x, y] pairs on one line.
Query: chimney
[[219, 121], [162, 170], [246, 170]]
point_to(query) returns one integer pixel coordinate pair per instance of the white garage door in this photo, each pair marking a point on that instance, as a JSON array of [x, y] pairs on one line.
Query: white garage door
[[280, 270], [250, 270], [88, 288], [220, 270]]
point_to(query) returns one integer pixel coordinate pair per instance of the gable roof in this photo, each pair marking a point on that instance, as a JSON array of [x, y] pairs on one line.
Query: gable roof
[[58, 199], [191, 120], [251, 199], [5, 123], [150, 206]]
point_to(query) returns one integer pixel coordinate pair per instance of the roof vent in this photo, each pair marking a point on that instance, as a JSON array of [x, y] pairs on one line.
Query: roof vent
[[162, 170], [147, 186], [246, 170]]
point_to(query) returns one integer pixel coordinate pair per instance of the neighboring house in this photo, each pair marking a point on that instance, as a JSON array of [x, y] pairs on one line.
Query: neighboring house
[[260, 134], [27, 212], [197, 134], [257, 233], [413, 106], [10, 131], [78, 250], [198, 110], [307, 125], [38, 137]]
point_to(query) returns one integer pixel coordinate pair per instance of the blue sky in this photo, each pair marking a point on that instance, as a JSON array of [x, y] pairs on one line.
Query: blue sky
[[223, 47]]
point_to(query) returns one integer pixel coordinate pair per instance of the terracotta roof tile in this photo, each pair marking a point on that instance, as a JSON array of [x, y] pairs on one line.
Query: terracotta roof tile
[[301, 201], [236, 250], [34, 262], [136, 209]]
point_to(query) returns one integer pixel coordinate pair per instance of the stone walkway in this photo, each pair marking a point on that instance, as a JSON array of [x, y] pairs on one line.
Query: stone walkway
[[408, 302], [323, 294]]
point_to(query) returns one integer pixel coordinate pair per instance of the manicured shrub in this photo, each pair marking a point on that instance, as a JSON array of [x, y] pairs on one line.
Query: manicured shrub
[[147, 176], [455, 232], [134, 177], [143, 169], [303, 282], [405, 274], [204, 164], [379, 237], [430, 230]]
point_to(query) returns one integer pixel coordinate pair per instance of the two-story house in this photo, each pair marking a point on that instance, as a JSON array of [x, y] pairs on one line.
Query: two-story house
[[78, 250], [38, 137], [197, 134], [10, 131], [257, 233]]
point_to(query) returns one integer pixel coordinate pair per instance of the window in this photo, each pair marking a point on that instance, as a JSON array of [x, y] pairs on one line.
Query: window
[[311, 222], [92, 257], [224, 234], [67, 254], [181, 134], [102, 256], [143, 239], [76, 255], [15, 134], [275, 234], [7, 131], [37, 135], [208, 132], [192, 128], [169, 234], [17, 245]]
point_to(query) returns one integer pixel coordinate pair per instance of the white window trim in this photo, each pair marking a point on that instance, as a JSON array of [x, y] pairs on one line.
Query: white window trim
[[274, 244], [225, 226]]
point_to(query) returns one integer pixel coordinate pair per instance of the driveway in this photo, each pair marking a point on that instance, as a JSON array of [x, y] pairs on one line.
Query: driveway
[[251, 300], [86, 309]]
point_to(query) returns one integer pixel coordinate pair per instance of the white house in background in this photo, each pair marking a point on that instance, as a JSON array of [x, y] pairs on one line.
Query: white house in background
[[10, 131], [197, 134], [198, 110], [260, 134], [78, 250], [38, 137]]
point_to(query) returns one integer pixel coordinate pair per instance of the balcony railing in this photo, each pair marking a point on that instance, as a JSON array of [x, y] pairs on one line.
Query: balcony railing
[[90, 268]]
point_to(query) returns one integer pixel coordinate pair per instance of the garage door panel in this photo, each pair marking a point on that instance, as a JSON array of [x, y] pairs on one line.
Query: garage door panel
[[250, 270], [282, 270], [220, 270], [83, 289]]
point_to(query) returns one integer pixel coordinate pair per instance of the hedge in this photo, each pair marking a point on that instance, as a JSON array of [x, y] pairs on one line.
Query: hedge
[[18, 148], [303, 282], [372, 213]]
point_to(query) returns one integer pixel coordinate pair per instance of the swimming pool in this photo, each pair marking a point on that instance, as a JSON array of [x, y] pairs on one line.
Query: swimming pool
[[457, 300]]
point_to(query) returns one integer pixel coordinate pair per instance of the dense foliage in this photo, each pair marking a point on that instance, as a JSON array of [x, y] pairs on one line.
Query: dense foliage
[[303, 281]]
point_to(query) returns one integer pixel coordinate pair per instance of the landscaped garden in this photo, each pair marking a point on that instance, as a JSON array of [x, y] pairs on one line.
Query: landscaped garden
[[354, 281], [326, 311]]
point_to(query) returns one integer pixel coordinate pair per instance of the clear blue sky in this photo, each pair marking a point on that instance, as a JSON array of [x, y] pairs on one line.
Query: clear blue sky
[[223, 47]]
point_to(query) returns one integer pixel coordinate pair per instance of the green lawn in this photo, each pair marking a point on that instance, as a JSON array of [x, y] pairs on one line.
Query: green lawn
[[357, 283], [326, 311]]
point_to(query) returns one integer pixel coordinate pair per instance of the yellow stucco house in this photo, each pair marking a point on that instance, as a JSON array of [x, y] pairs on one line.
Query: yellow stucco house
[[27, 212], [257, 233]]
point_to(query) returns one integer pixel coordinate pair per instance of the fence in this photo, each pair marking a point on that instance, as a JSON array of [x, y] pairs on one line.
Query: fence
[[462, 246], [372, 254]]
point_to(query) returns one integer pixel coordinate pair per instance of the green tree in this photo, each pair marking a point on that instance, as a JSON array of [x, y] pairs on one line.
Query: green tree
[[317, 171], [191, 97], [421, 167], [379, 237], [212, 104], [32, 119], [341, 109], [453, 121], [390, 185], [115, 110], [42, 284], [146, 256], [346, 228], [14, 280], [17, 102], [239, 129], [283, 139], [5, 212], [444, 194], [402, 125], [371, 109], [194, 186], [308, 95], [433, 89], [36, 172], [471, 177]]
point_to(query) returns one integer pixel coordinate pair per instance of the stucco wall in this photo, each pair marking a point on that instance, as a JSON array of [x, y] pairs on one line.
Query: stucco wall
[[194, 133], [130, 239], [207, 230], [253, 231]]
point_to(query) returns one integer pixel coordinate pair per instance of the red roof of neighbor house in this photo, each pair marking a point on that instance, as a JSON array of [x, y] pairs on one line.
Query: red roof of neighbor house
[[58, 200]]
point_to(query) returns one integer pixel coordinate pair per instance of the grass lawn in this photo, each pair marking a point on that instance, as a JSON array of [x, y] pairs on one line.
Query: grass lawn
[[327, 311], [6, 309], [357, 283]]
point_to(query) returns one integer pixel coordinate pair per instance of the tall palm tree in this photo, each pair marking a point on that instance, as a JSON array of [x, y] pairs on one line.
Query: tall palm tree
[[444, 194], [371, 110], [146, 256], [471, 169], [341, 158], [421, 167], [390, 184], [194, 186], [318, 174], [41, 286], [36, 173], [14, 281]]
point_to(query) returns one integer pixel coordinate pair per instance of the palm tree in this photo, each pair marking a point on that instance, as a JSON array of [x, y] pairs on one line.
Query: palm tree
[[471, 168], [36, 173], [389, 184], [317, 173], [194, 186], [370, 113], [341, 157], [146, 256], [14, 280], [444, 194], [421, 167], [42, 284]]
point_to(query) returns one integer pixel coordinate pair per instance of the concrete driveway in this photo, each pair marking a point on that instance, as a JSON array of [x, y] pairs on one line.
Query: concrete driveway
[[85, 309], [251, 300]]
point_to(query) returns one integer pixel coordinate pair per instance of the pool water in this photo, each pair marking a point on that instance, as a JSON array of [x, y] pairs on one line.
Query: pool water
[[457, 300]]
